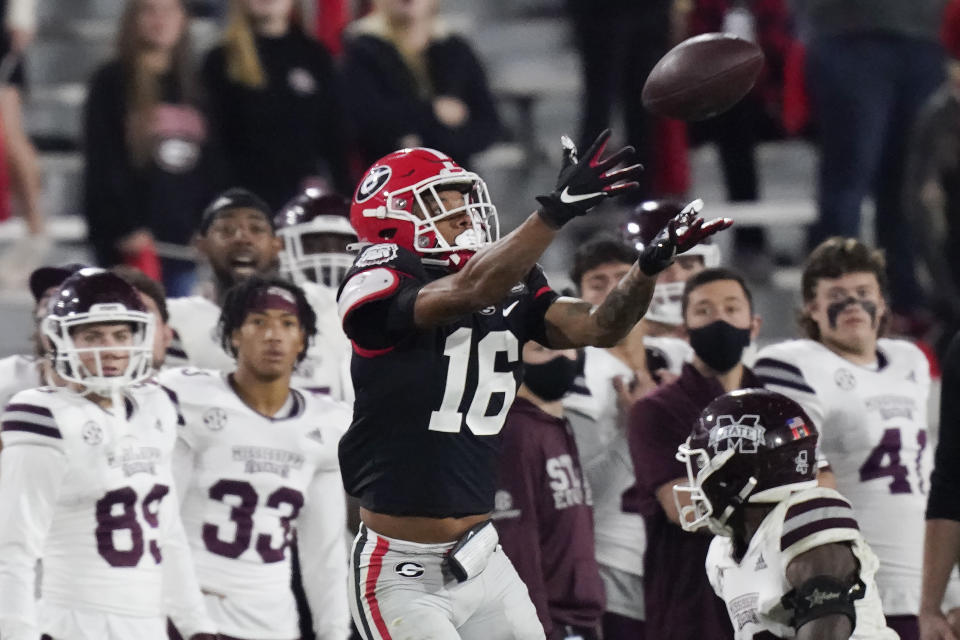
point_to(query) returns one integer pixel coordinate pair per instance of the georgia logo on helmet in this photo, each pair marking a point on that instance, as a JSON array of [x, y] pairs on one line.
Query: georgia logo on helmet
[[642, 226], [398, 200], [750, 445], [315, 227], [94, 296]]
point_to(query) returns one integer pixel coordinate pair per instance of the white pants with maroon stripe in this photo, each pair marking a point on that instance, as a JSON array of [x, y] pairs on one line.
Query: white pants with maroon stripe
[[399, 591]]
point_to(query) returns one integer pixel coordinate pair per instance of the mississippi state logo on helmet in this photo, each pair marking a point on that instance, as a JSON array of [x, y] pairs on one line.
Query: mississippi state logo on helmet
[[751, 445], [93, 296], [315, 227], [398, 201], [642, 226]]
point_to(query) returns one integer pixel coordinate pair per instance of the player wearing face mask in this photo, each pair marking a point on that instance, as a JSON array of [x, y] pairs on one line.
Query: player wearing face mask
[[543, 501]]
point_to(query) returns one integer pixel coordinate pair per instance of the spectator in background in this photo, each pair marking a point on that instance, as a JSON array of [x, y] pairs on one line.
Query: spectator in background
[[542, 505], [150, 165], [870, 68], [717, 310], [412, 83], [756, 117], [23, 167], [620, 41], [932, 187], [274, 99]]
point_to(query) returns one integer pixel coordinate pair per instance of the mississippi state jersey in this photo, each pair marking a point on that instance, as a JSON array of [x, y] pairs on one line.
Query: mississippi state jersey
[[752, 588], [16, 374], [248, 482], [325, 369], [430, 403], [90, 492], [873, 434]]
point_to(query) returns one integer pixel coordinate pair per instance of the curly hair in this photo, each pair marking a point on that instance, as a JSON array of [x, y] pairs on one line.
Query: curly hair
[[236, 306], [833, 258]]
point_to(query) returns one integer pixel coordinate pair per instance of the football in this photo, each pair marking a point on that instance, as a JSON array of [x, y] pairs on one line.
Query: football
[[702, 77]]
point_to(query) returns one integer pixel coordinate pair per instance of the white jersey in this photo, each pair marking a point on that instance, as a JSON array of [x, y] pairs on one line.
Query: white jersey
[[91, 494], [752, 588], [248, 481], [873, 434], [18, 373], [326, 368]]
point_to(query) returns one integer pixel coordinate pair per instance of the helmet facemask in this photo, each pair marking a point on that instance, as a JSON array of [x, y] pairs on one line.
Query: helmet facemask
[[484, 228], [701, 512], [66, 355], [301, 263]]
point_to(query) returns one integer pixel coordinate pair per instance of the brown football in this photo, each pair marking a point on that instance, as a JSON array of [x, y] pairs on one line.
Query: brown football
[[702, 77]]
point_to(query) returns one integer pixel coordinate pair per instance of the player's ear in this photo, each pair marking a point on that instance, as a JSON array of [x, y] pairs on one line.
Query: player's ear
[[755, 323]]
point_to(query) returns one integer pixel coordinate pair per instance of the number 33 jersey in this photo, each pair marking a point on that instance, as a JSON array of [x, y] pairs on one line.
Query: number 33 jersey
[[90, 493], [873, 434], [247, 481], [430, 403]]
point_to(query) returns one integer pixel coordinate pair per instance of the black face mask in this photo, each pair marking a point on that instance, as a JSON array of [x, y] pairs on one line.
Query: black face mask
[[719, 344], [552, 379]]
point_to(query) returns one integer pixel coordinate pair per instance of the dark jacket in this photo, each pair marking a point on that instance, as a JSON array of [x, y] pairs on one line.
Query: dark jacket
[[168, 193], [545, 520], [293, 128], [387, 104]]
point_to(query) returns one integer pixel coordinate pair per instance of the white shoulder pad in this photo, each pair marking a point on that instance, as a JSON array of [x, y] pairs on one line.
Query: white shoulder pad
[[29, 419], [364, 287], [813, 518]]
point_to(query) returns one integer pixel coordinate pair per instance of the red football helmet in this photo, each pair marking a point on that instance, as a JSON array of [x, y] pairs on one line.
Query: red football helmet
[[751, 445], [390, 205], [315, 227]]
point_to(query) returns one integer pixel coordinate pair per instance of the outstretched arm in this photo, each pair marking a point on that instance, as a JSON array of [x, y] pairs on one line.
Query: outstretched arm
[[574, 323], [488, 276]]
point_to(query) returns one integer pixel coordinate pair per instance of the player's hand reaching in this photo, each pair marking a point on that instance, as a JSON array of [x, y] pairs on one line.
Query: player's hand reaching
[[680, 233], [582, 184]]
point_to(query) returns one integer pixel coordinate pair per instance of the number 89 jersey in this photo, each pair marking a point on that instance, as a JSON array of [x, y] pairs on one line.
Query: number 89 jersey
[[430, 403], [873, 434], [90, 493]]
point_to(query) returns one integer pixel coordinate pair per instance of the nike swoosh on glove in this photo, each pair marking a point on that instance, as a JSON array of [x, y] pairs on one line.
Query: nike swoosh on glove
[[683, 232], [582, 185]]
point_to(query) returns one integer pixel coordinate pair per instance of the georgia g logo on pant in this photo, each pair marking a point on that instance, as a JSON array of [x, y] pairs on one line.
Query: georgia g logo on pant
[[409, 569]]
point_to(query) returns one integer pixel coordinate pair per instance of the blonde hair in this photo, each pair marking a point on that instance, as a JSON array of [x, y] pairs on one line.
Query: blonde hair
[[240, 46], [143, 84]]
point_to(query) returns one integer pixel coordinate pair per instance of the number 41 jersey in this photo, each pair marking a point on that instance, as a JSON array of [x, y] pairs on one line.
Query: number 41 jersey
[[872, 424], [430, 403]]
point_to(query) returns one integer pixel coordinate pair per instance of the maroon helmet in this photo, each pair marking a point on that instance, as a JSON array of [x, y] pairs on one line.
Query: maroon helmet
[[93, 296], [750, 445], [315, 227]]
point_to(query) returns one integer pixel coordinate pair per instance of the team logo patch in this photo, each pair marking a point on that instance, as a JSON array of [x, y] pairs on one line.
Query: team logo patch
[[377, 254], [374, 181], [215, 419], [743, 435], [92, 433], [409, 569], [743, 610], [845, 379]]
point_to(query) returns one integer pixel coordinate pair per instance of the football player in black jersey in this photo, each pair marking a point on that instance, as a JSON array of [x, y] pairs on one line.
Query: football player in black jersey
[[438, 309]]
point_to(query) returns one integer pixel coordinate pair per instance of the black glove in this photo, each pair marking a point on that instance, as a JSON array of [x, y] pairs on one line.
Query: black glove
[[581, 185], [681, 233]]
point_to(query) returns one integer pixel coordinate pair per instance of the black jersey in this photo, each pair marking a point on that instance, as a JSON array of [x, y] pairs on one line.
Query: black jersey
[[430, 403]]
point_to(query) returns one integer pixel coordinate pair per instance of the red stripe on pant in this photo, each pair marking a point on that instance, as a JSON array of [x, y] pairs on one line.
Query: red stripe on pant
[[373, 572]]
